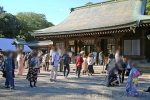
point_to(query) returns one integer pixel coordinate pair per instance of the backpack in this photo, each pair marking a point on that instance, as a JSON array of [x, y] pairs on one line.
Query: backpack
[[136, 74], [32, 62], [46, 58]]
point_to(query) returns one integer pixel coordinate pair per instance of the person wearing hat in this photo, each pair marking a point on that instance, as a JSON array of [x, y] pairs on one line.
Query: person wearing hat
[[79, 61]]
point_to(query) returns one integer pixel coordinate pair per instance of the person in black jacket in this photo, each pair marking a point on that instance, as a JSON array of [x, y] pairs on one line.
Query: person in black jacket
[[113, 77], [66, 59]]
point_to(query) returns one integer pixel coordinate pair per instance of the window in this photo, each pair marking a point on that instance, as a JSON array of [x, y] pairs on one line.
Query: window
[[60, 45], [132, 47]]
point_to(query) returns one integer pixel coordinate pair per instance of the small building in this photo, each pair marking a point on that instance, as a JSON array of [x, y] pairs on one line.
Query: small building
[[13, 44], [110, 25], [19, 43], [41, 45]]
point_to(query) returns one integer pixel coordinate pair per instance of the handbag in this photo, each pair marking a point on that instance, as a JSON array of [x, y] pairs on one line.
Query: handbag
[[107, 65]]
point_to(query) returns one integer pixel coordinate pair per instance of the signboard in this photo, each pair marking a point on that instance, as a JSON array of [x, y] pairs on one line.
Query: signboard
[[71, 42], [88, 42]]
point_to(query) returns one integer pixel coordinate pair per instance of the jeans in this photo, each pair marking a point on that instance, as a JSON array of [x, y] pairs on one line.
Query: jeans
[[78, 71], [54, 72], [61, 66], [68, 68], [122, 78], [9, 79]]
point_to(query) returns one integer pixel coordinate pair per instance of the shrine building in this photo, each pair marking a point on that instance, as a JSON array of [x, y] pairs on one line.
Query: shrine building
[[110, 25]]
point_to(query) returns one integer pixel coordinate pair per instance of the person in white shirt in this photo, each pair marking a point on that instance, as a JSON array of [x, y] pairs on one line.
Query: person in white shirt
[[55, 60], [117, 56], [95, 57], [90, 61]]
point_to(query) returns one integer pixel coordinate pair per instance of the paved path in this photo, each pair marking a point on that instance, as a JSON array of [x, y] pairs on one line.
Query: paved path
[[73, 88]]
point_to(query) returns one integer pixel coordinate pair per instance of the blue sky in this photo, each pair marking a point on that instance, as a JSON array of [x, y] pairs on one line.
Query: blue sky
[[55, 10]]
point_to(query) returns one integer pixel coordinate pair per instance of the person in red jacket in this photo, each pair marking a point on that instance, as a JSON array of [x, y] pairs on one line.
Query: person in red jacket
[[79, 61]]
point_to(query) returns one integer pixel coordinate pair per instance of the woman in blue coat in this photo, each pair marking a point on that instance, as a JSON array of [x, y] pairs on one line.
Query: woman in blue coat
[[8, 68]]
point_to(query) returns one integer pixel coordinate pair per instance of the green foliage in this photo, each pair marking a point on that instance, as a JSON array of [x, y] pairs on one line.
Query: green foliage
[[9, 25], [21, 25], [148, 7], [31, 21], [2, 11], [89, 3]]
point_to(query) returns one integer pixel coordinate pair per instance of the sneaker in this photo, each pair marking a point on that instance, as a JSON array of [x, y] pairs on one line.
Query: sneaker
[[54, 80], [13, 88], [65, 77], [34, 86], [7, 87], [51, 80], [31, 86]]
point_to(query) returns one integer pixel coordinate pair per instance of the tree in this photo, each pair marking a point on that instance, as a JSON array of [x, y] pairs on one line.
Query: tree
[[2, 11], [89, 3], [9, 25], [31, 21], [148, 7]]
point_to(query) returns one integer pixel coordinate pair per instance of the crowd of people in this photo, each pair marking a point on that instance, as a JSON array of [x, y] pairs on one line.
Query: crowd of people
[[116, 67]]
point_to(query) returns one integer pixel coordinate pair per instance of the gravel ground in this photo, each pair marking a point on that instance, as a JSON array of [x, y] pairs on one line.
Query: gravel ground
[[73, 88]]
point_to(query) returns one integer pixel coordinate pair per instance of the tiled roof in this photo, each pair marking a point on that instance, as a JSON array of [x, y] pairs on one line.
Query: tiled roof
[[19, 41], [6, 45], [100, 16]]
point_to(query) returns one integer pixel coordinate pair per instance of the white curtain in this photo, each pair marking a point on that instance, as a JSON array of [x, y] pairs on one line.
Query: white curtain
[[127, 47], [132, 47]]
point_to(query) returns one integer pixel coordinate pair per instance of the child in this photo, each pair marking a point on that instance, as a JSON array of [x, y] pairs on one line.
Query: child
[[132, 81]]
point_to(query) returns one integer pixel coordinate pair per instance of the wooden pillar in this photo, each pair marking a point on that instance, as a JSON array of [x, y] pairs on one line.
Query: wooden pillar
[[48, 49], [67, 44], [76, 47], [116, 43], [95, 43], [54, 43], [143, 44]]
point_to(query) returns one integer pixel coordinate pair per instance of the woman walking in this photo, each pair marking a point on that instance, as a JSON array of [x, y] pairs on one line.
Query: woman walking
[[90, 61], [34, 65], [9, 70], [84, 65], [20, 60]]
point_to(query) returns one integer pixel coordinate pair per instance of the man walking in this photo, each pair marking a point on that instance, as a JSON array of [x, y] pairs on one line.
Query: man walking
[[55, 60], [47, 58], [101, 57], [66, 64]]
